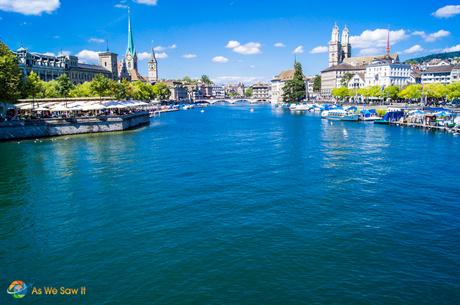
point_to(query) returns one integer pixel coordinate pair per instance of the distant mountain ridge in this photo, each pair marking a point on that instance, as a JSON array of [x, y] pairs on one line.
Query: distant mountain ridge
[[448, 55]]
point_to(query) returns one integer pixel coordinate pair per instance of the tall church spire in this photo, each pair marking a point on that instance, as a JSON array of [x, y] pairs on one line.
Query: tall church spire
[[131, 49], [388, 43]]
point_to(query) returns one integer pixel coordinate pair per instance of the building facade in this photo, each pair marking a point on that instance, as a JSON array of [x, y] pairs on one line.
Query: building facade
[[437, 74], [339, 49], [261, 91], [387, 73], [332, 77], [49, 67]]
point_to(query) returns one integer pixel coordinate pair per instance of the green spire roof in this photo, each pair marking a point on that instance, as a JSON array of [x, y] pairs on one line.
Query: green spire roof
[[131, 49]]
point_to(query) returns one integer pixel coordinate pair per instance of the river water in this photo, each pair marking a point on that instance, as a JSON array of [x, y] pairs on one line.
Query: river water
[[231, 206]]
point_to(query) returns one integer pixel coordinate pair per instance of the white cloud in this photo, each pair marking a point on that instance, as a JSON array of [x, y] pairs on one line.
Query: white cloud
[[279, 45], [161, 55], [237, 79], [452, 49], [147, 2], [189, 56], [370, 51], [377, 38], [121, 5], [88, 56], [143, 55], [447, 11], [414, 49], [65, 53], [232, 44], [249, 48], [220, 59], [49, 54], [28, 7], [319, 49], [298, 50], [95, 40], [433, 36], [162, 48]]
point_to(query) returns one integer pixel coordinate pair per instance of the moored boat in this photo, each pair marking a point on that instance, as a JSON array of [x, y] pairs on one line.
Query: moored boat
[[342, 115]]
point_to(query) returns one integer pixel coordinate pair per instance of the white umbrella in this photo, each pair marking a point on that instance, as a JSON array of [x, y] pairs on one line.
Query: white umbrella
[[41, 109], [60, 108], [94, 107]]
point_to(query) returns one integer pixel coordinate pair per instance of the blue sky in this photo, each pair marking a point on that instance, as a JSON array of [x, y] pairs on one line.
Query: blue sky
[[230, 40]]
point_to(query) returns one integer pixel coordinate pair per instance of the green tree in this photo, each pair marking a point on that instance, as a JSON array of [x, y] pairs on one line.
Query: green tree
[[33, 85], [341, 93], [346, 78], [49, 90], [437, 91], [375, 91], [413, 91], [100, 85], [121, 90], [10, 75], [162, 91], [187, 80], [294, 90], [206, 80], [391, 92], [249, 92], [143, 91], [317, 83], [453, 91], [64, 85], [82, 90]]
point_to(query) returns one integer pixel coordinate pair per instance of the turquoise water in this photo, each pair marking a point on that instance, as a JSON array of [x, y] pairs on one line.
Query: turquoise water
[[235, 207]]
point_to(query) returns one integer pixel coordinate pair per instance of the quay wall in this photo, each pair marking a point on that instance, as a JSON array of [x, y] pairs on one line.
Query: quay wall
[[16, 130]]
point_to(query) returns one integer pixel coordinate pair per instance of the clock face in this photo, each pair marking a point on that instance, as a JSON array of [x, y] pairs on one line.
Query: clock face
[[128, 57]]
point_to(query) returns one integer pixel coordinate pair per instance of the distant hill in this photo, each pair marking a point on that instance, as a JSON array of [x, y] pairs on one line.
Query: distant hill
[[435, 56]]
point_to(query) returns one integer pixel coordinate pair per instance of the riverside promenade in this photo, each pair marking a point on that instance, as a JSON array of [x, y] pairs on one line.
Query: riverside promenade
[[42, 128]]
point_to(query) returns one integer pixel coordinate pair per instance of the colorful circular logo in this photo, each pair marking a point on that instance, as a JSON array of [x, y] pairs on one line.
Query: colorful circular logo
[[18, 289]]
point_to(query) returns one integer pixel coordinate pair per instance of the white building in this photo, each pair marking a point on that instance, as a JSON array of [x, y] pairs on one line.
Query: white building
[[218, 92], [261, 91], [455, 74], [437, 74], [387, 73], [357, 81]]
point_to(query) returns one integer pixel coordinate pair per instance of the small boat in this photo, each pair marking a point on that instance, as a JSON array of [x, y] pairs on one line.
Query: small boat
[[369, 115], [342, 115], [299, 107]]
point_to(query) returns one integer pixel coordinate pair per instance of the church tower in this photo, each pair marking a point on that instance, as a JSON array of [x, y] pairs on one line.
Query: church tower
[[335, 48], [346, 46], [131, 55], [153, 68]]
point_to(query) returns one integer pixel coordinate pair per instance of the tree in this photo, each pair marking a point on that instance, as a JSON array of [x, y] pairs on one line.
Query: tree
[[317, 83], [205, 79], [33, 85], [50, 90], [187, 80], [453, 91], [248, 92], [341, 93], [100, 85], [10, 75], [64, 85], [435, 90], [162, 91], [346, 78], [391, 92], [410, 92], [143, 91], [82, 90], [294, 90], [374, 91]]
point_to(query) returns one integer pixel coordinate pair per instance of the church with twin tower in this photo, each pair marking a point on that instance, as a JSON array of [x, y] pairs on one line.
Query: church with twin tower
[[339, 49]]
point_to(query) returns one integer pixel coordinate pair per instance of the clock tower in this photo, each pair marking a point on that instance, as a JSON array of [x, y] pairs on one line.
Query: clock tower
[[131, 55], [153, 68]]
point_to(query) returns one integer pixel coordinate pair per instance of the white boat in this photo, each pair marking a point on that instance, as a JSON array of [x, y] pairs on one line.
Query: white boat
[[370, 118], [341, 115], [299, 107], [324, 114]]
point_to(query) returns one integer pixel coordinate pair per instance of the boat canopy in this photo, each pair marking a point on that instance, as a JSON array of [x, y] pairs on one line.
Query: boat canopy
[[393, 116]]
